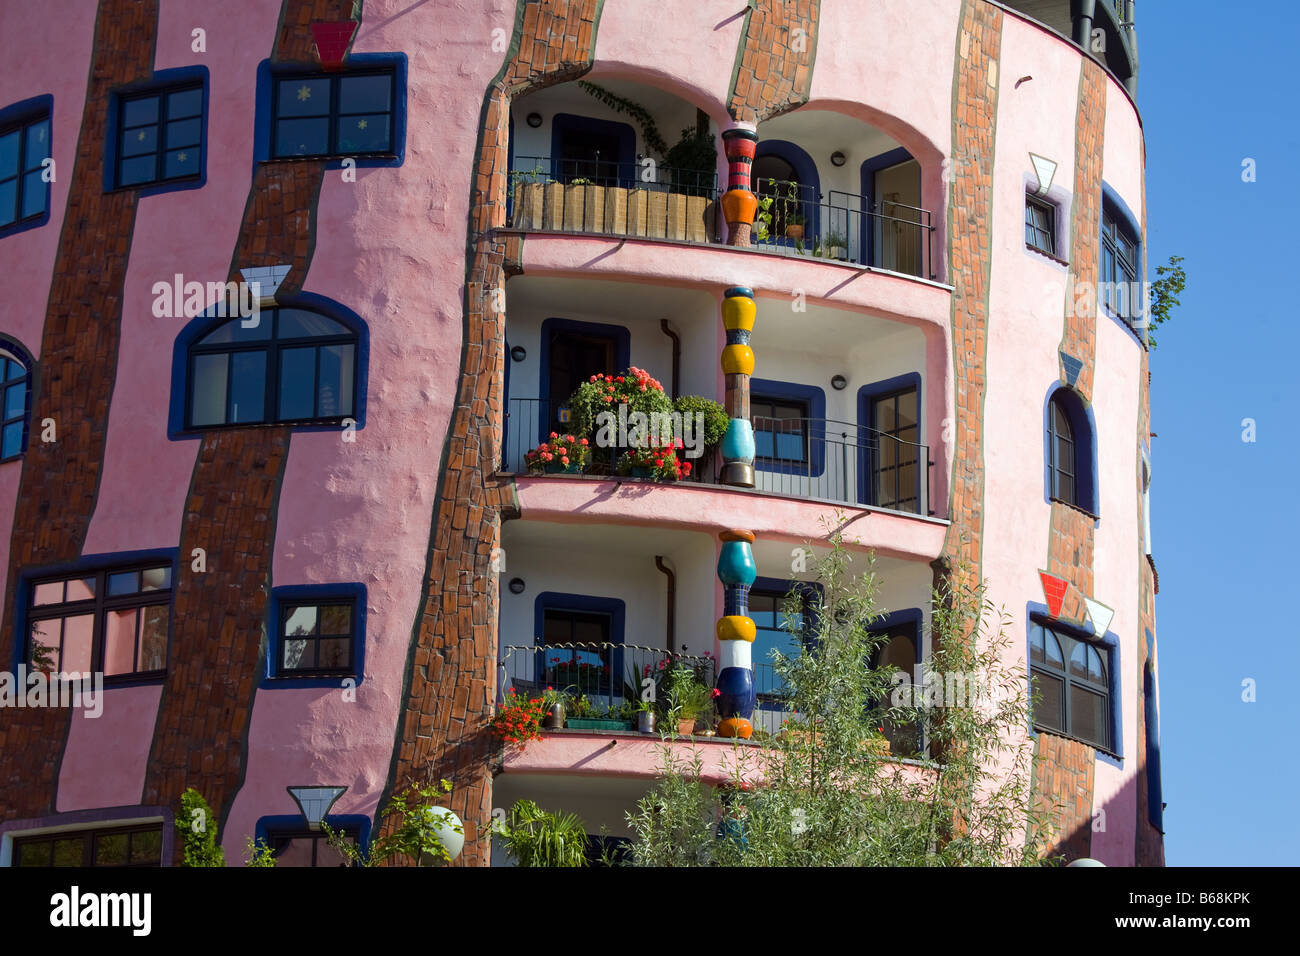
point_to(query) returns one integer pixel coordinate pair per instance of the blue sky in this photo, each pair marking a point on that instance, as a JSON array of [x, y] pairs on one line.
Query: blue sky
[[1217, 86]]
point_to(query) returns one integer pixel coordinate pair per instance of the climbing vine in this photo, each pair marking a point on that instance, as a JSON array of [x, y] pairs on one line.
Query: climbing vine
[[649, 131]]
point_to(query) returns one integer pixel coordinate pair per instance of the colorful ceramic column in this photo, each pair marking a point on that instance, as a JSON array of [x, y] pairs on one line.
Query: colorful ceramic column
[[739, 204], [736, 571], [738, 365]]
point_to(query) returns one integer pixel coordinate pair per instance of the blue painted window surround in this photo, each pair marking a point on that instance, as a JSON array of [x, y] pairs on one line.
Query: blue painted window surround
[[1077, 677], [15, 398], [791, 436], [26, 141], [1070, 451], [295, 845], [157, 133], [316, 636], [560, 618], [891, 469]]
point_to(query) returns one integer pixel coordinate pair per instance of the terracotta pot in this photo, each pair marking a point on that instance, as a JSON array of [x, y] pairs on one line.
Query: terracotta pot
[[686, 726], [794, 232]]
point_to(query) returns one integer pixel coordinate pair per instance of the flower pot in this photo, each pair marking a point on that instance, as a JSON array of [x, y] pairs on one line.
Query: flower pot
[[645, 721], [560, 468], [597, 723], [837, 252], [640, 472], [686, 726], [554, 718], [794, 231]]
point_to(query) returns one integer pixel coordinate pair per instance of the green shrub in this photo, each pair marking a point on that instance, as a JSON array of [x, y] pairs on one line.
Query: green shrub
[[716, 418], [198, 827], [537, 837]]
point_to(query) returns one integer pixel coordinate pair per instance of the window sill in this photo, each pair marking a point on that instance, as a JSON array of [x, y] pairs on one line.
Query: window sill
[[312, 681], [1073, 507], [1078, 740], [1047, 255]]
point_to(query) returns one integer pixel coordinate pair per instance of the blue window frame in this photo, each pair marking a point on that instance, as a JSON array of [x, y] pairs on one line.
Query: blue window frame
[[891, 468], [334, 115], [290, 366], [1071, 677], [779, 626], [159, 135], [790, 426], [579, 640], [25, 140], [295, 845], [317, 635], [16, 394], [1070, 453], [901, 647]]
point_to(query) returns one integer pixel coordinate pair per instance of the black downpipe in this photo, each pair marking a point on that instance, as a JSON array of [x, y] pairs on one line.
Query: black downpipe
[[672, 603], [677, 353]]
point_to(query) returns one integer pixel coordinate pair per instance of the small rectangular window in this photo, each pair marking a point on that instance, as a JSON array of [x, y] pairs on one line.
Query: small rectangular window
[[120, 847], [24, 190], [335, 116], [780, 429], [1040, 225], [160, 136], [317, 637]]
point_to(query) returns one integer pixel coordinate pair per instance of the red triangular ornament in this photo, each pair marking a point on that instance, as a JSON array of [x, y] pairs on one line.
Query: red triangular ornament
[[332, 39]]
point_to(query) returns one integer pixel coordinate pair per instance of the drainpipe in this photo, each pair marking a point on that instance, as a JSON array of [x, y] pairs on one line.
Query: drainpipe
[[1083, 11], [677, 352], [672, 603]]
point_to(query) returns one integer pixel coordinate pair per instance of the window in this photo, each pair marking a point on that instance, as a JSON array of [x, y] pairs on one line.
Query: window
[[577, 650], [115, 620], [317, 637], [901, 648], [1060, 443], [1071, 678], [1151, 718], [1040, 225], [780, 627], [134, 846], [16, 385], [333, 115], [309, 847], [1118, 266], [160, 136], [24, 192], [895, 464], [291, 366], [780, 430]]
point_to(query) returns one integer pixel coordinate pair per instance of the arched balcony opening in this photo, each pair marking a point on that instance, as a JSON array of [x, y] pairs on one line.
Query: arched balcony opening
[[612, 156]]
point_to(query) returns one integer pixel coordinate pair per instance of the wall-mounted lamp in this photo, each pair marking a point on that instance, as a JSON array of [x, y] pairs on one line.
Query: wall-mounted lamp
[[517, 585], [315, 802], [838, 158], [839, 383], [519, 353], [534, 120]]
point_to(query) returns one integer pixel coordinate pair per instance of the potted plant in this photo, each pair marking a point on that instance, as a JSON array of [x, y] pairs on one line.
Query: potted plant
[[657, 463], [837, 247], [519, 719], [559, 454], [553, 701], [763, 219], [528, 197], [715, 419], [584, 206], [688, 697], [586, 715], [794, 228], [537, 837], [645, 716]]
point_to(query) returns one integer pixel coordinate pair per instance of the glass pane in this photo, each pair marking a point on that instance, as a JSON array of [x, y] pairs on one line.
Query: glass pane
[[8, 201], [326, 855], [33, 854], [296, 324], [1053, 650], [364, 94], [77, 633], [299, 654], [134, 171], [586, 631], [764, 444], [44, 653], [248, 386], [1079, 660], [185, 103], [1096, 671], [68, 851], [146, 846], [885, 415], [153, 639], [334, 653], [34, 193], [302, 97], [1036, 643], [906, 409], [81, 589], [137, 142], [181, 162], [184, 133], [1088, 716], [363, 134], [11, 443], [208, 390], [556, 629], [296, 852], [38, 144], [9, 154], [154, 579], [124, 582], [1065, 487], [302, 137], [110, 849], [51, 593], [297, 384], [336, 367], [236, 331], [336, 619], [15, 399], [119, 641], [140, 111], [1048, 710], [301, 620]]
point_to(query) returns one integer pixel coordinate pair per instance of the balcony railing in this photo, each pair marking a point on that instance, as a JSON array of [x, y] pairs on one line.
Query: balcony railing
[[839, 461], [617, 199], [608, 675]]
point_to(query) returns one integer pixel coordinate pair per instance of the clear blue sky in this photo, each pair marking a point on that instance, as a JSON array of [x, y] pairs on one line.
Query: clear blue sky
[[1217, 86]]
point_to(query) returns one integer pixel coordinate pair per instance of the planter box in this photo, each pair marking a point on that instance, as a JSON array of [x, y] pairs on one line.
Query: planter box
[[528, 205], [616, 210], [638, 212], [584, 208], [597, 723], [553, 206], [657, 215]]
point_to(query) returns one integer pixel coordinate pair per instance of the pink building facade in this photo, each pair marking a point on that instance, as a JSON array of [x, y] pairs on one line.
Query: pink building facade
[[298, 535]]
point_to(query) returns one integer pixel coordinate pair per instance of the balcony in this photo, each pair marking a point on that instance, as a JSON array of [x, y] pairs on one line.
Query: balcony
[[1109, 33]]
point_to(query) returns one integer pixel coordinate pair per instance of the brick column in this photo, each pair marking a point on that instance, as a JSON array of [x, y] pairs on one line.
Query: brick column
[[78, 364], [774, 62]]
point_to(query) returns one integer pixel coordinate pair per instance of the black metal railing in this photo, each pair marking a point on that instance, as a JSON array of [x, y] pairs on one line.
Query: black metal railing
[[607, 675], [529, 421], [614, 198], [840, 461], [795, 219]]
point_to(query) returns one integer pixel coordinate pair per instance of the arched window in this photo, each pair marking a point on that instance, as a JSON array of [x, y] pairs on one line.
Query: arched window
[[16, 383], [288, 366], [1070, 453], [1073, 698]]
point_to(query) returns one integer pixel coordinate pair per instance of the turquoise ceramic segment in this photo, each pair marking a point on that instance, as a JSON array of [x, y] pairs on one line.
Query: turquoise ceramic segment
[[738, 442], [736, 563], [740, 291]]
